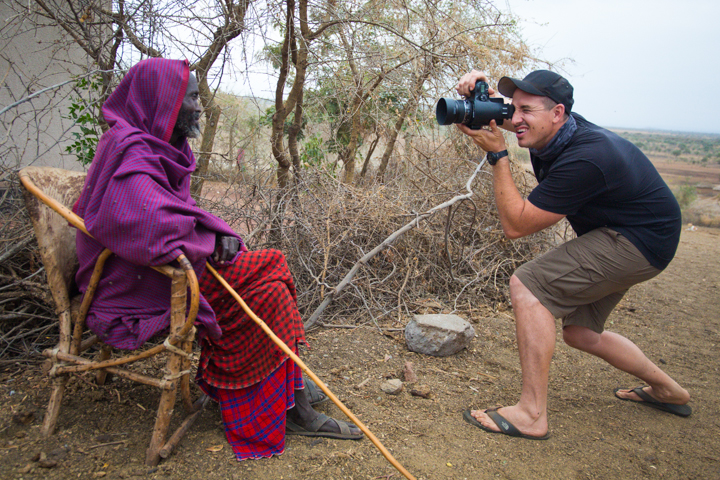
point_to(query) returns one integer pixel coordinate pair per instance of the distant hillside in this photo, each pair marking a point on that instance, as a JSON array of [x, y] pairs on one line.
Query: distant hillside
[[696, 148], [261, 103]]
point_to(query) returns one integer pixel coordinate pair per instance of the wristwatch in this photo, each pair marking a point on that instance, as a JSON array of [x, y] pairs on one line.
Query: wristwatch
[[493, 157]]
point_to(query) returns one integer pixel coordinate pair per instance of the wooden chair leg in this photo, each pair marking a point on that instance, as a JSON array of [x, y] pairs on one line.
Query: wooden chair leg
[[178, 296], [185, 380], [162, 422], [58, 383], [198, 408], [104, 354], [53, 410]]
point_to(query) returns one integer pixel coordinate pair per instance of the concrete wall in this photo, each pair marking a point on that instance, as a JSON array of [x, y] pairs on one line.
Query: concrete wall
[[32, 58]]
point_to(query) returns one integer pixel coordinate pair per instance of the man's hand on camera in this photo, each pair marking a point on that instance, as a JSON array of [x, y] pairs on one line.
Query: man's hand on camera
[[491, 140], [468, 81], [225, 249]]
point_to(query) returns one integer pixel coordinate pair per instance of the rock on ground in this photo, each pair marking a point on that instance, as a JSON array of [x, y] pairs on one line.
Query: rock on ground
[[392, 387], [438, 335]]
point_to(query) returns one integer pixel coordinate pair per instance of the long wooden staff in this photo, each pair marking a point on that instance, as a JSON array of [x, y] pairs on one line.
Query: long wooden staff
[[79, 223], [310, 374]]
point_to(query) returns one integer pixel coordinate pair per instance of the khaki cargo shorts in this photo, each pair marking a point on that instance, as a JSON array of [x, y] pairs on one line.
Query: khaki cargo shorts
[[582, 280]]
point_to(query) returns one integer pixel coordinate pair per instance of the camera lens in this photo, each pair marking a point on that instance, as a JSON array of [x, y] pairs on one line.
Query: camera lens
[[449, 111], [475, 111]]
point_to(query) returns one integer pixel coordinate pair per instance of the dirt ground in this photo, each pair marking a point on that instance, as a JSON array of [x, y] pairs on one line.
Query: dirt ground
[[673, 318], [704, 178], [687, 172]]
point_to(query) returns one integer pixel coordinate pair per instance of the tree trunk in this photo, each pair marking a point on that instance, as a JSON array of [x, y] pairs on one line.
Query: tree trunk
[[212, 118], [350, 153], [412, 102], [391, 141], [351, 149], [294, 131], [366, 163], [283, 180], [294, 50]]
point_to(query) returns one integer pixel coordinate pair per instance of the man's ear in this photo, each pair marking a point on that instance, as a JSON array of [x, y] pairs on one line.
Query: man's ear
[[558, 113]]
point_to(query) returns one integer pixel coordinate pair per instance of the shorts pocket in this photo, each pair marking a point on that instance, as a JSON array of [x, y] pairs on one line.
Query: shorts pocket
[[565, 276]]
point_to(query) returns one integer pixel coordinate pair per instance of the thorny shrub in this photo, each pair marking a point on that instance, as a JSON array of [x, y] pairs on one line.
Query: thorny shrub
[[454, 261]]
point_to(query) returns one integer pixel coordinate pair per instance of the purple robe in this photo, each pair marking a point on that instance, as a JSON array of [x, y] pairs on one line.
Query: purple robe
[[136, 202]]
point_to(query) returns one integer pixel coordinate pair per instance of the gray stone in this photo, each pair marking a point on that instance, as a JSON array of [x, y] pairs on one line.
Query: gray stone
[[392, 387], [438, 335]]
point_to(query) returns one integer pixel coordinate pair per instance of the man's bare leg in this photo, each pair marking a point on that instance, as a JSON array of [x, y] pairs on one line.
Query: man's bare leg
[[535, 330], [623, 354]]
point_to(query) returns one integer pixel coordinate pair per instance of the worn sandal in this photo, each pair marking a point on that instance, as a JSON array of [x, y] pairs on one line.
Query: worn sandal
[[313, 429], [648, 401], [506, 428], [313, 392]]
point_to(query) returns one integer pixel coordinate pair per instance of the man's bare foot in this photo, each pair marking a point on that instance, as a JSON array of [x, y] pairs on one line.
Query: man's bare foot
[[675, 396], [535, 426], [680, 409]]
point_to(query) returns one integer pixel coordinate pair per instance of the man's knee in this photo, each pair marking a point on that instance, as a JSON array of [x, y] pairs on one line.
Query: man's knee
[[520, 295], [516, 286], [579, 337]]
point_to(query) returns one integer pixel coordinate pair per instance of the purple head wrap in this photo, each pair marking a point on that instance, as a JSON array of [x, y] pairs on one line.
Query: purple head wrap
[[136, 202]]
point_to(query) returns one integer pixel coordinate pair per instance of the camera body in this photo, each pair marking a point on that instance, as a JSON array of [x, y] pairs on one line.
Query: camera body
[[475, 111]]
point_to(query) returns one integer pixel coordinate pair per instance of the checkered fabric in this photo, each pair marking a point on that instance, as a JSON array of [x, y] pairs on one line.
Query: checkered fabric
[[254, 417], [244, 355]]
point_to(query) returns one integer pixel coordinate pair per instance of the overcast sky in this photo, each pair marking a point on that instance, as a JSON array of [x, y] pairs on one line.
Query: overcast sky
[[645, 64], [637, 63]]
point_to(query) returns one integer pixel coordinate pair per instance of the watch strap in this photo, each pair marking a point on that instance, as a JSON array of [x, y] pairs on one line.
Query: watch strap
[[493, 157]]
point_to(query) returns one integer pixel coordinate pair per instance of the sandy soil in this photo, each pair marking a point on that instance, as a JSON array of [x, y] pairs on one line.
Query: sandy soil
[[673, 318]]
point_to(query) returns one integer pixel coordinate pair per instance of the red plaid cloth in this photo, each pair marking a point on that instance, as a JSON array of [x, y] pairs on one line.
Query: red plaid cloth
[[244, 355], [254, 417]]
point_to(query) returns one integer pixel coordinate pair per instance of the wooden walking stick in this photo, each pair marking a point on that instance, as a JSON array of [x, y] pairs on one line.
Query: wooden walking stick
[[310, 374], [78, 223]]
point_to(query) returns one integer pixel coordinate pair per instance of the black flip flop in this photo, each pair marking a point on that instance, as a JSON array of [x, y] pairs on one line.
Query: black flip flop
[[313, 429], [647, 400], [506, 428]]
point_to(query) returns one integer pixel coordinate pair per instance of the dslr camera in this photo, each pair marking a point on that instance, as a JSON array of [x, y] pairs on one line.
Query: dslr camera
[[475, 111]]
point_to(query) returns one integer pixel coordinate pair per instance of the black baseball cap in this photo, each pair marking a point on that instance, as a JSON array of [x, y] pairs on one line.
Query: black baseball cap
[[540, 82]]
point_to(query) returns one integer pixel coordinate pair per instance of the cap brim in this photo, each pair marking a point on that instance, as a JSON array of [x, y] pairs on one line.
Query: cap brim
[[507, 87]]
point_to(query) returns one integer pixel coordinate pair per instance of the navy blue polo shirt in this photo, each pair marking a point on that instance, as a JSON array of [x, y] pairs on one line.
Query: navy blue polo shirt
[[602, 180]]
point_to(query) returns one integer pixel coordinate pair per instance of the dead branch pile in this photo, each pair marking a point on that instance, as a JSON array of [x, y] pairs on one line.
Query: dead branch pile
[[454, 261], [28, 323]]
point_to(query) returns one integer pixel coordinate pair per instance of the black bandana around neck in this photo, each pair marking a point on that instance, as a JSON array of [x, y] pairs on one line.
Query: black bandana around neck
[[558, 142]]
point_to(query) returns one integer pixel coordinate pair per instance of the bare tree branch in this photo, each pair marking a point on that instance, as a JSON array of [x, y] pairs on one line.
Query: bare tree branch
[[386, 243]]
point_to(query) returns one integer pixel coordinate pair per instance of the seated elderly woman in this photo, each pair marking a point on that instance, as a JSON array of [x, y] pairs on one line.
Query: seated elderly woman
[[136, 202]]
